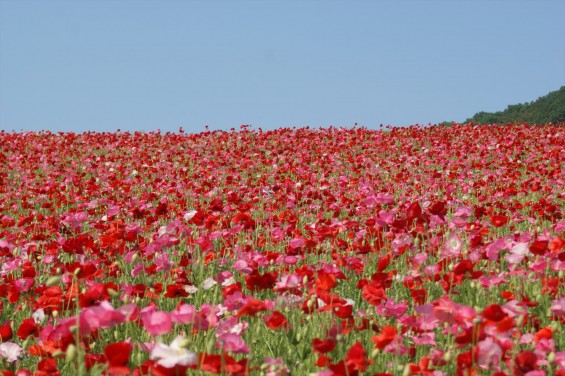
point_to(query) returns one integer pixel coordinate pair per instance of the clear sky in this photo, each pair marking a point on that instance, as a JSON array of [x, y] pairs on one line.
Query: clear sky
[[147, 65]]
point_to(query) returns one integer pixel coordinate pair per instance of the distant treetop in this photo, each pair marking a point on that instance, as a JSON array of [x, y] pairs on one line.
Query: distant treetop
[[547, 109]]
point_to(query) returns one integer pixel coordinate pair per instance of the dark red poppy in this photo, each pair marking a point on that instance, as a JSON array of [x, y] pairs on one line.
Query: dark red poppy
[[6, 332], [539, 247], [494, 313], [176, 291], [256, 281], [323, 346], [118, 353], [525, 362], [27, 328]]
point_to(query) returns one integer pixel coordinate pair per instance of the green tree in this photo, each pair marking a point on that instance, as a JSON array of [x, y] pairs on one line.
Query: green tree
[[547, 109]]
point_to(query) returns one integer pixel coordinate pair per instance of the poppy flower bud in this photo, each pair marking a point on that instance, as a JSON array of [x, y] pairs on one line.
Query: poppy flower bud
[[26, 343], [57, 353], [310, 303], [406, 371], [134, 257], [210, 345], [184, 343], [374, 353], [52, 281], [305, 280], [55, 313], [113, 293], [76, 272], [71, 352], [551, 357], [447, 356]]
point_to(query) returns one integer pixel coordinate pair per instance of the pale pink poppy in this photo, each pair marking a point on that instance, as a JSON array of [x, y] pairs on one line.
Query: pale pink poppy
[[10, 351], [156, 322], [490, 354], [233, 343]]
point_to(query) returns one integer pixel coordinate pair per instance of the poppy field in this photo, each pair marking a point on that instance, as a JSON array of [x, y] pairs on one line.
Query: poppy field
[[400, 251]]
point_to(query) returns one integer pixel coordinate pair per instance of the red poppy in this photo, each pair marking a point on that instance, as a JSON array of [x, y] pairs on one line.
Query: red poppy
[[420, 296], [256, 281], [176, 291], [223, 363], [324, 346], [372, 294], [325, 281], [47, 367], [252, 307], [383, 263], [92, 296], [356, 358], [6, 332], [498, 220], [466, 364], [494, 313], [51, 299], [323, 361], [539, 247], [276, 320], [388, 334], [343, 311], [463, 267], [544, 333], [525, 362], [27, 328], [90, 360], [118, 353]]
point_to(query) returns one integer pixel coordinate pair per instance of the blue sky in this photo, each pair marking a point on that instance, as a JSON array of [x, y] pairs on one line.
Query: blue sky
[[147, 65]]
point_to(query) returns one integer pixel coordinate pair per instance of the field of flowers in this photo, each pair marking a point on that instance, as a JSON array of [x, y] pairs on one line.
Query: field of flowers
[[404, 251]]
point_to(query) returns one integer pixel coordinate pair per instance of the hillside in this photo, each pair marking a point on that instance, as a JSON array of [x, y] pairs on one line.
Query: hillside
[[546, 109]]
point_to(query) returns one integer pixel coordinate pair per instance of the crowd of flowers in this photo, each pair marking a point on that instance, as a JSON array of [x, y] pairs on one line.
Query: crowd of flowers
[[401, 251]]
